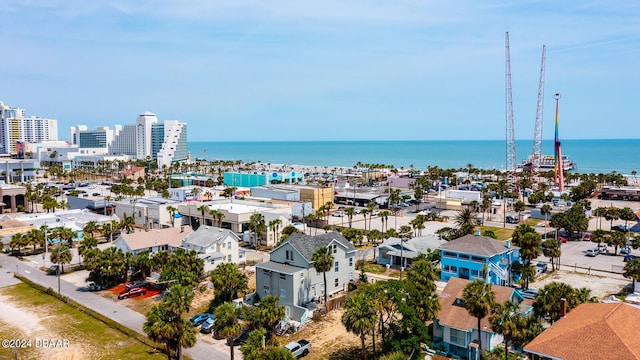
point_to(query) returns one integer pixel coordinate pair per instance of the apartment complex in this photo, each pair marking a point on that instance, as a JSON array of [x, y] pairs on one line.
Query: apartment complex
[[16, 127], [164, 142]]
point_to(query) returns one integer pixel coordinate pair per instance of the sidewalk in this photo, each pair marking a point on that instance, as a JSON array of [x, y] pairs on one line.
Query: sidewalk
[[118, 313]]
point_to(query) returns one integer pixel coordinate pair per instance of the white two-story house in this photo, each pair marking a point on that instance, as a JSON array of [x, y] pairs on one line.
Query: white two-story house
[[215, 245], [290, 272]]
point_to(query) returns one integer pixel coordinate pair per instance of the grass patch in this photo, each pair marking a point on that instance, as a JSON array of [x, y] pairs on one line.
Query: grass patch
[[370, 267], [532, 222], [93, 337], [501, 233]]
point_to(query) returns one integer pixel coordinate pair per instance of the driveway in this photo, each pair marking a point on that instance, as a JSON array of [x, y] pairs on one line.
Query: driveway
[[105, 307]]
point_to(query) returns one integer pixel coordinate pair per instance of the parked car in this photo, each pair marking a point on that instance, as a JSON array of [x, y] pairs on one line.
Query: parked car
[[602, 248], [139, 284], [630, 257], [625, 250], [592, 252], [529, 293], [563, 239], [198, 319], [207, 325], [586, 236], [541, 267], [241, 339], [299, 348], [136, 291], [621, 228], [512, 219], [95, 287], [338, 213]]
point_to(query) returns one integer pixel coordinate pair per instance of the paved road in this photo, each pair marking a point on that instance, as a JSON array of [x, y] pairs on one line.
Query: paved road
[[119, 313]]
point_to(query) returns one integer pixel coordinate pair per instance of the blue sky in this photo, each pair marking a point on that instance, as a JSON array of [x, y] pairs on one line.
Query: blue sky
[[325, 70]]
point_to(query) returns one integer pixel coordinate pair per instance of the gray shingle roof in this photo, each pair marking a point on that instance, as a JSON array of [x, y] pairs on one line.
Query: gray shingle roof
[[476, 245], [307, 244], [206, 236]]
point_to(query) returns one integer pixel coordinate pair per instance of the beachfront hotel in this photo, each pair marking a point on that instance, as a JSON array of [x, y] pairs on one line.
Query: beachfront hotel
[[16, 128]]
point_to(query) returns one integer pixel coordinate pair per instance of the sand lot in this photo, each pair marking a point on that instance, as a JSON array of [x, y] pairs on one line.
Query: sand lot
[[601, 287]]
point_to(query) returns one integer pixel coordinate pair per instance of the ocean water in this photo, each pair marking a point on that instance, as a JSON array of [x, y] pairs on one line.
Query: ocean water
[[590, 156]]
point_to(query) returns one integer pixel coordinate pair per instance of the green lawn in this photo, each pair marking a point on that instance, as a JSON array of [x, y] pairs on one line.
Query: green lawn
[[93, 337], [501, 233]]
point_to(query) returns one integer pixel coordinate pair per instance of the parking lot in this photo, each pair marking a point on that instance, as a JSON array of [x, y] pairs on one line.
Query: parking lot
[[574, 256]]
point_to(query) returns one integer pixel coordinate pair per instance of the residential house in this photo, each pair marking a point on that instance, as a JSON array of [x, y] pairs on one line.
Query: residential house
[[133, 173], [215, 245], [392, 250], [478, 257], [456, 330], [291, 275], [591, 331], [167, 239]]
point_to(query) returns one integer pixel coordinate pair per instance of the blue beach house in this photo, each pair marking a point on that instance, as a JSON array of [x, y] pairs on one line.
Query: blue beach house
[[478, 257]]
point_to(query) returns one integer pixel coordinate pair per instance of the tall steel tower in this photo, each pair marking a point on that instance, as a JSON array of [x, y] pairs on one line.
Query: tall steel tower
[[510, 170], [536, 153], [559, 164]]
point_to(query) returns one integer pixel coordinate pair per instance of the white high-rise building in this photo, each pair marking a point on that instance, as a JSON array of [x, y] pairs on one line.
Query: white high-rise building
[[73, 133], [16, 127], [164, 141], [125, 141], [95, 142], [144, 123], [174, 144]]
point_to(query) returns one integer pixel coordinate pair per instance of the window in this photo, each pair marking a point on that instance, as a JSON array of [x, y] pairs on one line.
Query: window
[[337, 283], [283, 294], [350, 262], [475, 273], [229, 245], [456, 337], [337, 267], [335, 248], [449, 269], [289, 255], [228, 258], [283, 276]]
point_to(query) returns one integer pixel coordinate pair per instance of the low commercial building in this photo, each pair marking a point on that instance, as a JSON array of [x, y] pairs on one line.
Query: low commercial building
[[13, 197], [148, 213], [236, 215]]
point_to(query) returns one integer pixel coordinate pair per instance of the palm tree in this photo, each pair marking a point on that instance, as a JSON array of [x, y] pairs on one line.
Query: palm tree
[[228, 281], [274, 225], [632, 270], [61, 255], [88, 243], [323, 260], [90, 227], [384, 216], [627, 215], [359, 317], [505, 321], [612, 213], [371, 207], [226, 324], [172, 211], [551, 249], [478, 299], [258, 226], [218, 216], [545, 210], [166, 322], [350, 211], [203, 208], [519, 206]]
